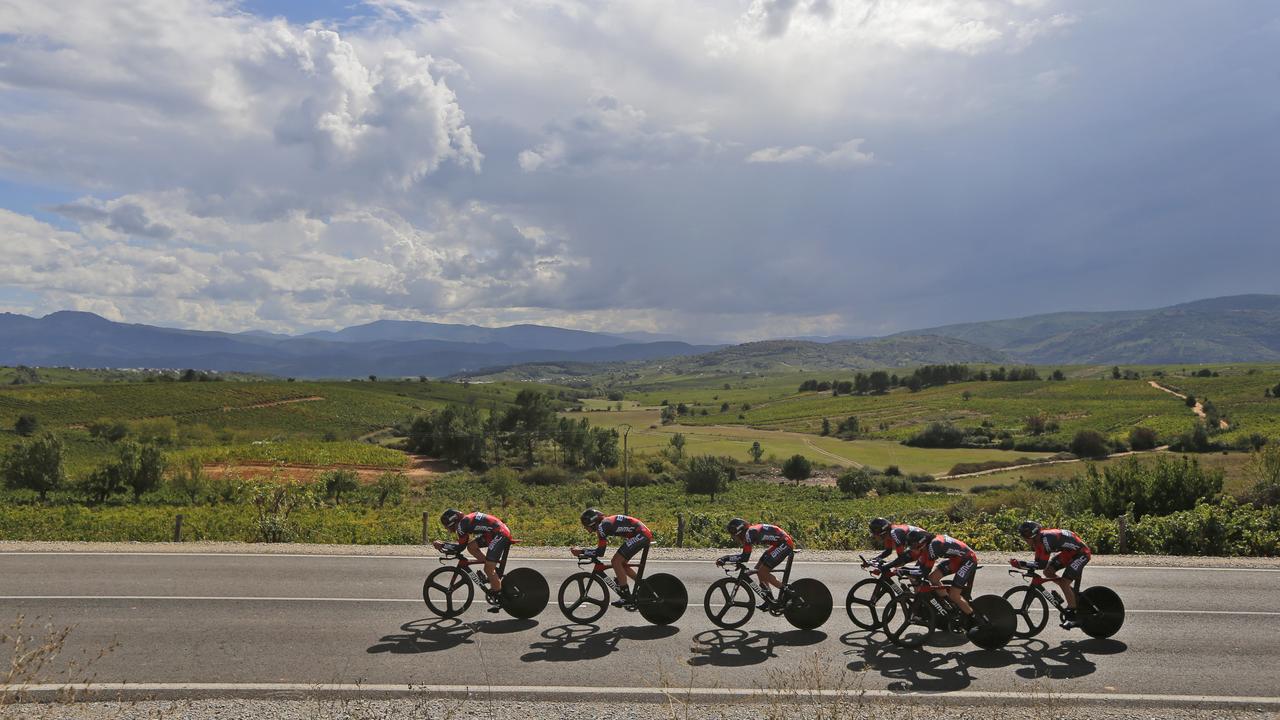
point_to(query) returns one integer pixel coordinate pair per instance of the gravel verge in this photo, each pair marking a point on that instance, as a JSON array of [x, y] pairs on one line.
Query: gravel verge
[[785, 707], [535, 552]]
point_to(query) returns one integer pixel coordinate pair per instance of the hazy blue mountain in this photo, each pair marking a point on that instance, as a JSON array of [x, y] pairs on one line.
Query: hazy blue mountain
[[1241, 328], [517, 336]]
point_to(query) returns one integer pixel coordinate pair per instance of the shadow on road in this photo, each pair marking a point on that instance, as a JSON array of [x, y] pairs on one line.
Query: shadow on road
[[436, 634], [1066, 661], [574, 642], [922, 669], [736, 648]]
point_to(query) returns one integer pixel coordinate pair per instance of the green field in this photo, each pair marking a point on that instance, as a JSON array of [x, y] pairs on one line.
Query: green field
[[1233, 466]]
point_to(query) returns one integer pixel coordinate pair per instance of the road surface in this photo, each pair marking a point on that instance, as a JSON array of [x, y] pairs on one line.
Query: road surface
[[255, 623]]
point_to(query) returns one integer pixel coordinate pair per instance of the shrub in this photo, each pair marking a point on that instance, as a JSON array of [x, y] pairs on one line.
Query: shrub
[[35, 465], [502, 483], [937, 435], [1194, 440], [391, 487], [190, 481], [1264, 471], [981, 489], [894, 486], [1141, 438], [617, 477], [856, 482], [273, 503], [893, 471], [337, 482], [1090, 444], [546, 475], [26, 425], [797, 468], [1144, 488], [706, 475]]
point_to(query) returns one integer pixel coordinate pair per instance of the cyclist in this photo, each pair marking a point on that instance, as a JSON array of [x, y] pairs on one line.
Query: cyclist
[[940, 555], [781, 547], [1056, 550], [489, 531], [894, 537], [637, 537]]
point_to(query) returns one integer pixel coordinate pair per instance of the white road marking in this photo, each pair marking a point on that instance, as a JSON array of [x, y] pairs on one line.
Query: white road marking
[[254, 598], [596, 691], [420, 558]]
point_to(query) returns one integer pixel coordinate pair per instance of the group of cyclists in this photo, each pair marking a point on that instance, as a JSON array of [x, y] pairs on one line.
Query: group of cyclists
[[1060, 554]]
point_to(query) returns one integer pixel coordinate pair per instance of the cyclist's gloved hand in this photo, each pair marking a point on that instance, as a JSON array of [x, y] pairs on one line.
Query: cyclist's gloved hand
[[589, 553], [450, 548], [1020, 564], [724, 560]]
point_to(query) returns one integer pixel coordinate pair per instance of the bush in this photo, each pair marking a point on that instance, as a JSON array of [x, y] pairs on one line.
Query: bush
[[544, 475], [894, 486], [1090, 444], [706, 475], [937, 435], [502, 483], [35, 465], [337, 482], [981, 489], [893, 471], [1141, 438], [1144, 488], [797, 468], [856, 482], [390, 487], [1210, 529], [1194, 440], [1264, 471], [190, 481], [26, 425]]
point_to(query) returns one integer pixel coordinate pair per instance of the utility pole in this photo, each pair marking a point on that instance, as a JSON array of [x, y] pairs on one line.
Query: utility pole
[[626, 472]]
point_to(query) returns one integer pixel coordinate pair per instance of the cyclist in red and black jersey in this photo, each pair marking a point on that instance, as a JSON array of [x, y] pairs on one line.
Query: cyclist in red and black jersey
[[940, 555], [894, 537], [1056, 550], [781, 547], [636, 538], [487, 530]]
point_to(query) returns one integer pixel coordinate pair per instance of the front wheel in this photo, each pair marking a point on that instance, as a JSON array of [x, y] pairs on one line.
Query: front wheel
[[866, 602], [996, 622], [524, 593], [661, 598], [1030, 610], [1100, 612], [729, 603], [810, 605], [584, 597], [909, 620], [448, 592]]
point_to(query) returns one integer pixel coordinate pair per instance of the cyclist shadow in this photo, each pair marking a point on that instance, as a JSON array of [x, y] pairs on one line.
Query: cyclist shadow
[[580, 641], [1066, 661], [737, 648], [922, 669], [437, 634]]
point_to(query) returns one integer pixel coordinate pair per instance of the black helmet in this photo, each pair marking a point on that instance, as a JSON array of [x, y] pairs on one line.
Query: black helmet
[[591, 517], [879, 526], [916, 538], [1029, 529], [450, 517], [736, 526]]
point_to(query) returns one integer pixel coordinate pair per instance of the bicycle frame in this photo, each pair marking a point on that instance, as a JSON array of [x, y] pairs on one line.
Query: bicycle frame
[[1038, 582], [465, 563], [744, 574], [598, 569]]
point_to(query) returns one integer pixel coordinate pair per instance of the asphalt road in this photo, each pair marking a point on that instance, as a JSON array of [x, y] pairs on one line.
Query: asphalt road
[[255, 620]]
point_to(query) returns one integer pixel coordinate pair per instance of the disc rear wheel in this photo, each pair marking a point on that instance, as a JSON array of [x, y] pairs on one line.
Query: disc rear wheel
[[661, 598], [996, 622], [524, 593], [1100, 612], [811, 605]]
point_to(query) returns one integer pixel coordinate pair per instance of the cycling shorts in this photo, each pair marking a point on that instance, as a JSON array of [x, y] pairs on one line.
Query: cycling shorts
[[633, 545], [776, 555], [1071, 564], [963, 568], [497, 548]]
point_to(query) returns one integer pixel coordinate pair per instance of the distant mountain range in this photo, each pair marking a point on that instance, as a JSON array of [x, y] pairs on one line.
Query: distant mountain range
[[1241, 328], [1244, 328]]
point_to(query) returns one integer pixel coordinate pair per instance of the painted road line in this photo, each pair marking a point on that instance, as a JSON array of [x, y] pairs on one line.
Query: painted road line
[[253, 598], [708, 562], [594, 692]]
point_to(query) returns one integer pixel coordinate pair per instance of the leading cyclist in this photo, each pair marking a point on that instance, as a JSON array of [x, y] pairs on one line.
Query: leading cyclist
[[1056, 550]]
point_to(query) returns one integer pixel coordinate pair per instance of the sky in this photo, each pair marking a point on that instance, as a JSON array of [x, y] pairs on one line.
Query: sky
[[719, 171]]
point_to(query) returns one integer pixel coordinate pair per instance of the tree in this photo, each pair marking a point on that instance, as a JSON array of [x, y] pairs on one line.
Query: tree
[[1057, 375], [724, 407], [1141, 438], [373, 378], [35, 464], [797, 468], [337, 482], [826, 427], [26, 425], [1036, 424], [677, 443], [966, 395], [138, 468], [879, 382], [1115, 372], [756, 451], [1190, 401], [706, 475], [531, 419], [190, 481], [855, 482], [390, 487], [1090, 444], [502, 483]]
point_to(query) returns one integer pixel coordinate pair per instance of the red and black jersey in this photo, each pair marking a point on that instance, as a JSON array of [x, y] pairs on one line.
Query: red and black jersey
[[623, 526], [764, 534], [896, 539], [484, 525], [945, 547], [1065, 542]]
